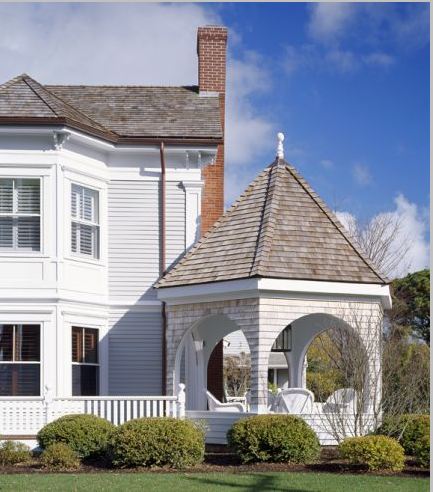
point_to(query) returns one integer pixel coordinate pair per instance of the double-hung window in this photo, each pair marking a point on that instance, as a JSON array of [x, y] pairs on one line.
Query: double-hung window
[[20, 214], [20, 360], [85, 221], [85, 362]]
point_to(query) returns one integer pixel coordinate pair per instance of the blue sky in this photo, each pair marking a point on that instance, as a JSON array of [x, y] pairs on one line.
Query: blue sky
[[348, 84]]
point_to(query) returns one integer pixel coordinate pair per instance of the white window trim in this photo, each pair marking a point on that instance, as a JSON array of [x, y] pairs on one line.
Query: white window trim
[[95, 258], [15, 250]]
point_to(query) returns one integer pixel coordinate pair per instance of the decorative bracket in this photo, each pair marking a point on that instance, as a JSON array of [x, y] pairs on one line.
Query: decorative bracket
[[60, 138]]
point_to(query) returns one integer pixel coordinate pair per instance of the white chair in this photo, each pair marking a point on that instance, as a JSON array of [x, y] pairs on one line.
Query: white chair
[[216, 406], [295, 401], [341, 401]]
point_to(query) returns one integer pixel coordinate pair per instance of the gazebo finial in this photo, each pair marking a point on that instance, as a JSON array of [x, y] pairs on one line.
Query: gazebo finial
[[280, 146]]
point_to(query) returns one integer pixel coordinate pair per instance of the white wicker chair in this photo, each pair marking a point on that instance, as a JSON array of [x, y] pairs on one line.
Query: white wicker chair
[[295, 401], [216, 406], [341, 401]]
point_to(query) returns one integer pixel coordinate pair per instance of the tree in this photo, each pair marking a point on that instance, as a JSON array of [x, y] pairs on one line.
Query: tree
[[382, 240], [411, 304], [237, 370]]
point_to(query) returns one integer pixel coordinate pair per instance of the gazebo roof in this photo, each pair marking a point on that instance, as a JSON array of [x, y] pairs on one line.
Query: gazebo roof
[[278, 228]]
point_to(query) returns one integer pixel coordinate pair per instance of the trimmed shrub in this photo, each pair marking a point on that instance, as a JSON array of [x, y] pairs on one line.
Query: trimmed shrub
[[157, 441], [60, 457], [13, 452], [421, 451], [375, 452], [87, 435], [408, 429], [274, 438]]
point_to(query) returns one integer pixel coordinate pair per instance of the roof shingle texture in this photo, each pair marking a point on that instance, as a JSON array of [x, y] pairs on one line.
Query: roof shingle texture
[[278, 228], [116, 112]]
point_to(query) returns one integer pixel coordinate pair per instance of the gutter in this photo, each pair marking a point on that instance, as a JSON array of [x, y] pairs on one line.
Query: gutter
[[163, 267]]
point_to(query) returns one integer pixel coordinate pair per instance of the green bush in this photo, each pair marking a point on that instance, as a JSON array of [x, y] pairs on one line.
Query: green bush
[[59, 456], [376, 452], [421, 451], [157, 442], [87, 435], [273, 438], [408, 429], [12, 453]]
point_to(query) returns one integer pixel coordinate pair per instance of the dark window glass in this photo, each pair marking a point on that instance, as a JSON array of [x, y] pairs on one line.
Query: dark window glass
[[6, 342], [85, 380], [19, 380], [19, 343], [85, 369]]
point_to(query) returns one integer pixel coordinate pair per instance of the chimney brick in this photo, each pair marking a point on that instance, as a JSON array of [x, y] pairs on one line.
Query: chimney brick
[[211, 51]]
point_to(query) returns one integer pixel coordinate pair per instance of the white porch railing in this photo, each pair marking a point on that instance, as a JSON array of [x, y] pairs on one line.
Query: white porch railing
[[22, 416]]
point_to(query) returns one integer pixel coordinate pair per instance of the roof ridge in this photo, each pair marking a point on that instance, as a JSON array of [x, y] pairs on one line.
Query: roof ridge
[[267, 222], [13, 81], [337, 224], [128, 86], [216, 224], [62, 101]]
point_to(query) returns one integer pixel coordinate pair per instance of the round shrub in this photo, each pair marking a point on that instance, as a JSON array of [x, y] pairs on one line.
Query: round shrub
[[274, 438], [12, 453], [421, 451], [87, 435], [157, 441], [375, 452], [408, 429], [60, 457]]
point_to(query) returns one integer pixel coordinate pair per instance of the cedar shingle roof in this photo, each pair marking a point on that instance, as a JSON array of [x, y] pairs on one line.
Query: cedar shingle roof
[[116, 113], [278, 228]]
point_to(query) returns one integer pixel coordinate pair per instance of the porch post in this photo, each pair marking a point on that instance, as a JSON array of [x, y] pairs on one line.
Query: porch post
[[259, 378]]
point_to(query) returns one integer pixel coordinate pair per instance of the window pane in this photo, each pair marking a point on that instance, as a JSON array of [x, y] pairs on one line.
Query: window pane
[[6, 342], [6, 196], [29, 233], [76, 201], [74, 234], [27, 343], [19, 379], [77, 344], [91, 345], [88, 201], [6, 232], [85, 380], [86, 240], [28, 193]]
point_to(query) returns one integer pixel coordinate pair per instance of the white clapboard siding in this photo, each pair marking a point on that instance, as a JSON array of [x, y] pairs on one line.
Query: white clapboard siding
[[175, 222], [135, 353], [133, 243]]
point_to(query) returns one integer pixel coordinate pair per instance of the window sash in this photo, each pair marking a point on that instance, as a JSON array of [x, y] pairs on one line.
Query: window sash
[[85, 361], [85, 221], [20, 214]]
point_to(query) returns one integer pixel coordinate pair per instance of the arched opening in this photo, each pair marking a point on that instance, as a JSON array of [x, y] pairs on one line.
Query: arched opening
[[195, 351], [323, 353]]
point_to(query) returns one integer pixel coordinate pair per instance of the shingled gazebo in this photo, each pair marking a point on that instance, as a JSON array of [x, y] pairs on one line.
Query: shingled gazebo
[[277, 258]]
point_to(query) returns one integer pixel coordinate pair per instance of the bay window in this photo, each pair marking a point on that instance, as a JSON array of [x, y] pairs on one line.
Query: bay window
[[20, 214], [20, 357], [85, 221], [85, 363]]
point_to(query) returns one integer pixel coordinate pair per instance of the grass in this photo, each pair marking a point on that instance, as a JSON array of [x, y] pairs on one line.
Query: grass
[[183, 482]]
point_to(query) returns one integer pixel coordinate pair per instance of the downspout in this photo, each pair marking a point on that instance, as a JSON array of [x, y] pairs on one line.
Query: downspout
[[163, 267]]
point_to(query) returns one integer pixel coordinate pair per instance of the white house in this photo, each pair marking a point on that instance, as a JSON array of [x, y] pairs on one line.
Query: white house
[[102, 190]]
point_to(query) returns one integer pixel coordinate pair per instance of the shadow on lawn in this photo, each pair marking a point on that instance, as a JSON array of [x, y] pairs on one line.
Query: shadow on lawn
[[259, 482]]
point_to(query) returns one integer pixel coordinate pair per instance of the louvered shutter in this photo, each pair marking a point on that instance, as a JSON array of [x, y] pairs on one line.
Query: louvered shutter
[[20, 221], [85, 218]]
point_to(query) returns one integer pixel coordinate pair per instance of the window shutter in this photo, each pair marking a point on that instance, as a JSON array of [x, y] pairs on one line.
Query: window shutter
[[74, 234], [29, 233], [76, 201], [6, 232], [86, 240], [6, 196], [28, 196]]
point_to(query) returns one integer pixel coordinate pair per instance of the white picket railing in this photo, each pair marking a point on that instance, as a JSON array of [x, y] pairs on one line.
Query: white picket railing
[[26, 416]]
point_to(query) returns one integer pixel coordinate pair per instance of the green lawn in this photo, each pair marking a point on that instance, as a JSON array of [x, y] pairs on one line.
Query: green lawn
[[183, 482]]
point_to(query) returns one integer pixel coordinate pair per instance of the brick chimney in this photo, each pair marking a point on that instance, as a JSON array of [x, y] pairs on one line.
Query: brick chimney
[[211, 51]]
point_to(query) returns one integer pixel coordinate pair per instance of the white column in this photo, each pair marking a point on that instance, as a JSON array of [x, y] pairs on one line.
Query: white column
[[192, 211]]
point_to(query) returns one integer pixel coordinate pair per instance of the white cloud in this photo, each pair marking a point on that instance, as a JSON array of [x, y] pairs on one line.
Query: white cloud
[[327, 163], [362, 174], [412, 233], [329, 21], [147, 44], [379, 59]]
